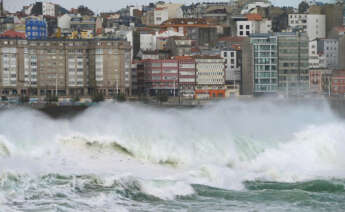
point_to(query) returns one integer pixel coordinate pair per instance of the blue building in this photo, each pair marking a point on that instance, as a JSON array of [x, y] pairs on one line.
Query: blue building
[[35, 29]]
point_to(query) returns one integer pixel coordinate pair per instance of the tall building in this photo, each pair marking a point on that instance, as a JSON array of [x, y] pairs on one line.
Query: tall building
[[210, 77], [161, 77], [247, 75], [316, 26], [293, 60], [232, 58], [187, 74], [316, 60], [35, 29], [329, 48], [64, 67], [265, 65], [333, 13]]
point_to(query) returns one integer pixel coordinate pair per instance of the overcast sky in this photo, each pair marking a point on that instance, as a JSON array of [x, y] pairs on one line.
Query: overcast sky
[[114, 5]]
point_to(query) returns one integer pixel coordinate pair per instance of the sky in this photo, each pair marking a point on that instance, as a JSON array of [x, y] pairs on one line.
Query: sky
[[114, 5]]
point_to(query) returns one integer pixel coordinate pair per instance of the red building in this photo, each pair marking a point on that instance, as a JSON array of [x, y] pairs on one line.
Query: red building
[[338, 82], [161, 76], [186, 75], [318, 80], [173, 77]]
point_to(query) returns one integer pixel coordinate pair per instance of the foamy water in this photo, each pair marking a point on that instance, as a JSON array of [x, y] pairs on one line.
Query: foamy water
[[126, 157]]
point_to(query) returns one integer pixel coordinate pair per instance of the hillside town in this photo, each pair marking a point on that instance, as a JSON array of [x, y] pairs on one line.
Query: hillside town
[[202, 51]]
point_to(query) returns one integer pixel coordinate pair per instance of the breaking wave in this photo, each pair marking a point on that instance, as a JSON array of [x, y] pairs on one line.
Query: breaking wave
[[148, 153]]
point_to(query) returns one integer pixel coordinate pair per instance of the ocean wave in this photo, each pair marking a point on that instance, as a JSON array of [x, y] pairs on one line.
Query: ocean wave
[[221, 145]]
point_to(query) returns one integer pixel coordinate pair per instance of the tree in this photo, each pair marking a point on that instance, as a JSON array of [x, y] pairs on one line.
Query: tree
[[85, 11], [303, 7]]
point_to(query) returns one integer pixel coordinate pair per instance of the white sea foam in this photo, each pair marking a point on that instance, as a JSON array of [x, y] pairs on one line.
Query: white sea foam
[[167, 150]]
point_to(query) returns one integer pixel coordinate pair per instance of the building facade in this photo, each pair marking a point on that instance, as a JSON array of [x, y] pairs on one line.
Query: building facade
[[64, 67], [232, 58], [161, 77], [298, 21], [338, 83], [265, 63], [246, 28], [329, 48], [48, 9], [313, 24], [186, 76], [210, 77], [316, 26], [293, 60], [35, 29]]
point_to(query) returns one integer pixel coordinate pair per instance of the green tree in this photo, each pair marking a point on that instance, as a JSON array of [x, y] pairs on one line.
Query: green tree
[[303, 7]]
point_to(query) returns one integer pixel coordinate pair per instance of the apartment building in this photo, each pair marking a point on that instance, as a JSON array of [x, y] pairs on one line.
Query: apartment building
[[316, 60], [161, 77], [253, 24], [232, 58], [265, 63], [319, 81], [316, 26], [64, 67], [338, 82], [313, 24], [210, 77], [329, 48], [293, 63], [298, 21], [186, 75], [35, 29], [48, 9]]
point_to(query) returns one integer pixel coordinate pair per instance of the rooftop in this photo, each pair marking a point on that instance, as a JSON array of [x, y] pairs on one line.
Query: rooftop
[[12, 34]]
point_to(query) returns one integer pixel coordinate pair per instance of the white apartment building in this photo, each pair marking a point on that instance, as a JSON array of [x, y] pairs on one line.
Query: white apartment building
[[152, 41], [313, 24], [316, 61], [9, 67], [316, 26], [232, 67], [210, 72], [160, 15], [48, 9], [148, 41], [64, 22], [246, 28], [298, 21]]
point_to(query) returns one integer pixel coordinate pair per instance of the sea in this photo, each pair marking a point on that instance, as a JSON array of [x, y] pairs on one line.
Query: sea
[[224, 156]]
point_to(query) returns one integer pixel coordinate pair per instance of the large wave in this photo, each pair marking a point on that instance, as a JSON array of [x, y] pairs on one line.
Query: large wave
[[165, 151]]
